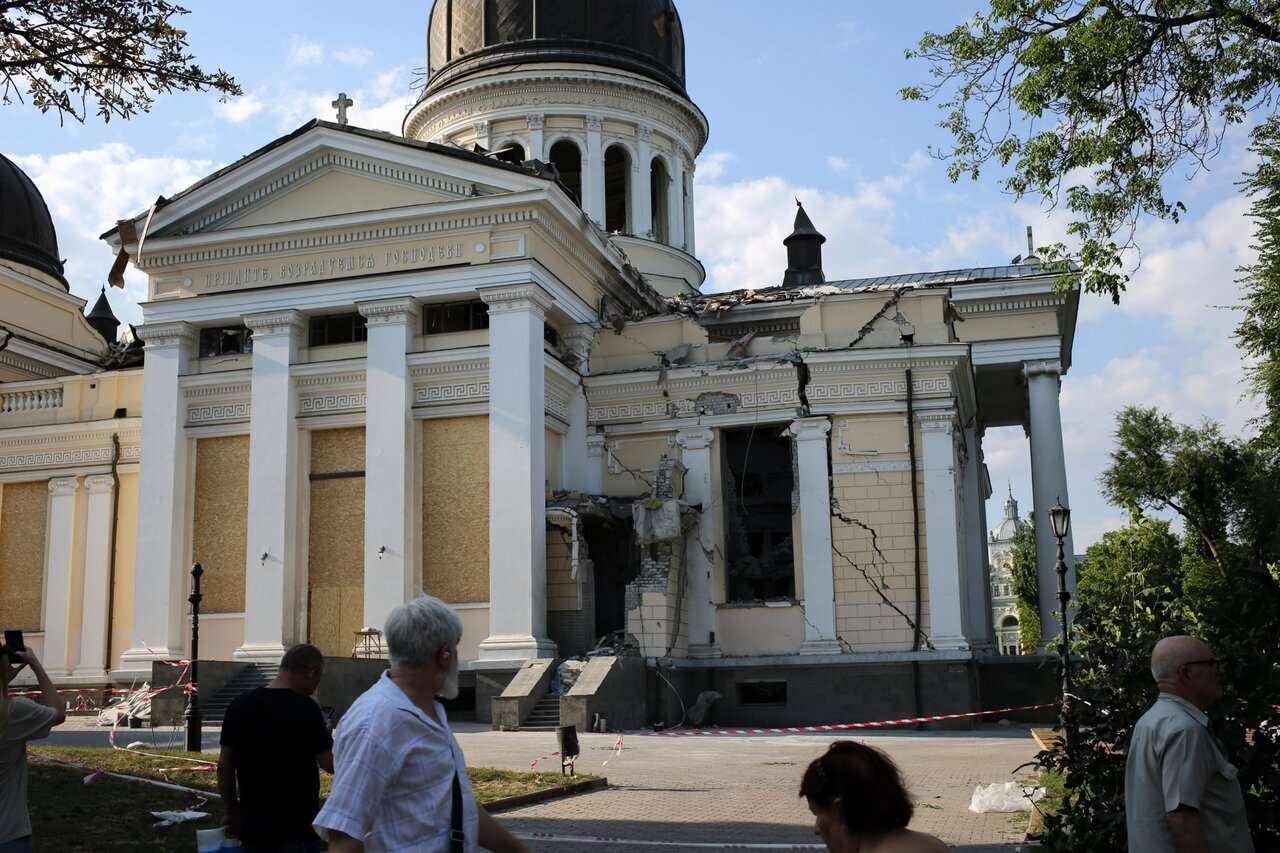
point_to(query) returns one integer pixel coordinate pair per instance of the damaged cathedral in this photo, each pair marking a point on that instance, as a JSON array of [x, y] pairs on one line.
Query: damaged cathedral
[[475, 360]]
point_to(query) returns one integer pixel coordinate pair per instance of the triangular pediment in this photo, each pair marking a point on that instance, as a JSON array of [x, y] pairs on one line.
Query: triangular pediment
[[321, 172]]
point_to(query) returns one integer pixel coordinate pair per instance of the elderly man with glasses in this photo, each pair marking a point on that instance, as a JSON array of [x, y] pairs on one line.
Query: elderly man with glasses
[[1181, 791]]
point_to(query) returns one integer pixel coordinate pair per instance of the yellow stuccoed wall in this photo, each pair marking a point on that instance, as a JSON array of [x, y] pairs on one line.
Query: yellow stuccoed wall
[[455, 508], [221, 529], [126, 554], [24, 513], [335, 565]]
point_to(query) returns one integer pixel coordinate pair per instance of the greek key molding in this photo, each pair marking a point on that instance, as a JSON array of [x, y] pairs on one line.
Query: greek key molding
[[276, 323], [219, 413], [306, 170], [66, 458], [325, 403], [555, 407], [877, 388], [164, 335], [447, 394], [630, 411]]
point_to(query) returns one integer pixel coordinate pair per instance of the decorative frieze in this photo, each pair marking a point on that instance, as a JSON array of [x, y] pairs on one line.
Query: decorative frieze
[[219, 413], [276, 323], [505, 300], [446, 394], [161, 335]]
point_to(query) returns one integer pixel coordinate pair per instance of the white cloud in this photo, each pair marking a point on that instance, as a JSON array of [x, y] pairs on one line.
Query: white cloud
[[711, 165], [837, 164], [304, 52], [353, 56], [241, 109]]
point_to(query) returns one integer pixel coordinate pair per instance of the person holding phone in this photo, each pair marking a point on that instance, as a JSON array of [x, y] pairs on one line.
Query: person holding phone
[[21, 720]]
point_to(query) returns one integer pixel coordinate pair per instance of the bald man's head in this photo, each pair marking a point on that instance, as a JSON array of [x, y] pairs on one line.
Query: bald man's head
[[1186, 667], [1172, 652]]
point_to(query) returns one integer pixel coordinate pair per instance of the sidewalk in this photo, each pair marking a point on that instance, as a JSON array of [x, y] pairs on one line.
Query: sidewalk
[[744, 788]]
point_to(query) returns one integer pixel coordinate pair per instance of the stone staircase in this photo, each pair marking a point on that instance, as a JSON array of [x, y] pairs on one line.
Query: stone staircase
[[212, 708], [545, 716]]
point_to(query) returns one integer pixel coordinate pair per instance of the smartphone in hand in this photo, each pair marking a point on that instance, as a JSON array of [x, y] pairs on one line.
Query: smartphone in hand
[[13, 641]]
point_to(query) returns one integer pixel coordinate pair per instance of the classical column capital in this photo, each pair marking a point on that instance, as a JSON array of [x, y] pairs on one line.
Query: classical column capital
[[810, 429], [161, 335], [514, 299], [384, 312], [535, 121], [1041, 368], [482, 128], [595, 445], [98, 484], [275, 323], [943, 422], [644, 133], [699, 438], [62, 486], [595, 124]]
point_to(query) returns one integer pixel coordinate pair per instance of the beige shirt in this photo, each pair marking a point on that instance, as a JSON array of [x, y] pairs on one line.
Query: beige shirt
[[1174, 760], [26, 721]]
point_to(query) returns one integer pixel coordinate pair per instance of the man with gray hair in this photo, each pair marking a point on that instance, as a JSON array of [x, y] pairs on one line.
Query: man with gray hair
[[400, 781], [1181, 793]]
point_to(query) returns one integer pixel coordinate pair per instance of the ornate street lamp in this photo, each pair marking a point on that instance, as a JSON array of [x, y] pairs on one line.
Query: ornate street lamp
[[192, 714], [1060, 523]]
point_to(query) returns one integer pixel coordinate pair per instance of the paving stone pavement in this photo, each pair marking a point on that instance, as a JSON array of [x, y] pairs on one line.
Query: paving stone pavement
[[744, 788]]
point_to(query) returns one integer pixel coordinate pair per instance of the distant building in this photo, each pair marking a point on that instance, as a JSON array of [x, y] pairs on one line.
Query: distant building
[[1004, 603]]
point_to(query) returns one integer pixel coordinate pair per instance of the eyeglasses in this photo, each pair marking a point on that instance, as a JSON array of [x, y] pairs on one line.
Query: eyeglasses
[[1213, 661]]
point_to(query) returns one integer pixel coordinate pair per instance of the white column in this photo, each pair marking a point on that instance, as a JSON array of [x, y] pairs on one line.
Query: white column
[[390, 501], [675, 202], [696, 458], [978, 626], [641, 192], [63, 580], [271, 554], [688, 209], [813, 458], [947, 592], [161, 570], [536, 151], [1048, 485], [97, 580], [517, 475], [595, 463], [593, 172], [573, 456]]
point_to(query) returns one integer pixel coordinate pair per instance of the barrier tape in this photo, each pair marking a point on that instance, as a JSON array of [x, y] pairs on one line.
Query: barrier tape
[[727, 845], [835, 727], [617, 751], [96, 773]]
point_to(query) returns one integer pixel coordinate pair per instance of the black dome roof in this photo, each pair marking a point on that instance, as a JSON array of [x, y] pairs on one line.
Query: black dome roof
[[468, 36], [26, 230]]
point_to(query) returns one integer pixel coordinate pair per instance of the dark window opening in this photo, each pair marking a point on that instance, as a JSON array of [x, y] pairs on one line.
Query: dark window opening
[[512, 152], [617, 173], [462, 706], [229, 340], [568, 160], [761, 692], [447, 317], [658, 182], [550, 335], [757, 487], [338, 329]]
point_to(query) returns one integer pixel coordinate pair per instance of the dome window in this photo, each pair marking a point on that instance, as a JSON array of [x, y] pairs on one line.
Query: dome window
[[617, 198], [566, 157], [658, 181]]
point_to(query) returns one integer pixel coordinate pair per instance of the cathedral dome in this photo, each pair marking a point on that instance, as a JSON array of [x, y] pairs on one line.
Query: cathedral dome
[[466, 37], [27, 236]]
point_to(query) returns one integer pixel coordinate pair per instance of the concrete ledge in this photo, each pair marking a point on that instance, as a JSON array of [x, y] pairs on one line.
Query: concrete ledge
[[845, 659], [505, 803]]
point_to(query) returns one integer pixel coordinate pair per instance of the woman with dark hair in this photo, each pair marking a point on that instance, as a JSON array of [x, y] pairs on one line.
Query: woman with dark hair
[[856, 795]]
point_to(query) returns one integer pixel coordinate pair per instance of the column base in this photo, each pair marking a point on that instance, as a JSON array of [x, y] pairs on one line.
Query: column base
[[704, 651], [268, 653], [957, 642], [516, 648], [89, 674], [820, 647]]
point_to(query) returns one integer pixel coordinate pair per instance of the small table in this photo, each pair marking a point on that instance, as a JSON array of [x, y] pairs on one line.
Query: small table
[[368, 644]]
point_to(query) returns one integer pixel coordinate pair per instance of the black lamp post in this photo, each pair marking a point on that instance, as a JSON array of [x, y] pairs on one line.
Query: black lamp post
[[192, 714], [1060, 522]]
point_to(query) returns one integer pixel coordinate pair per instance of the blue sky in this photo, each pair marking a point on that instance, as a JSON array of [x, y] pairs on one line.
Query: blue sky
[[802, 102]]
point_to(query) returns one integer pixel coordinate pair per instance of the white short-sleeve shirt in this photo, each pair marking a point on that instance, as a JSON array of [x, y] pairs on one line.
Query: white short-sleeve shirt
[[393, 776], [1174, 760]]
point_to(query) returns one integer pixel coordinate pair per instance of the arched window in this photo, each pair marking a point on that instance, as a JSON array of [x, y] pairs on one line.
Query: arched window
[[567, 157], [658, 181], [1009, 622], [511, 152], [617, 172]]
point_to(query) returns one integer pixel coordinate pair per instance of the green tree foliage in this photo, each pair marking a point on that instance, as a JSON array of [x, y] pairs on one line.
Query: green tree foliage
[[106, 56], [1259, 332], [1026, 586], [1219, 582], [1092, 104]]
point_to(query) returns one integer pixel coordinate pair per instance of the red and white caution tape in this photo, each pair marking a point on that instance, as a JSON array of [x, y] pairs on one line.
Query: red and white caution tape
[[725, 845], [96, 773], [617, 751], [835, 727]]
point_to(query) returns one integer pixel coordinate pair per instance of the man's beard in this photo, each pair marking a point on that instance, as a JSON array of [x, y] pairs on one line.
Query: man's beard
[[449, 687]]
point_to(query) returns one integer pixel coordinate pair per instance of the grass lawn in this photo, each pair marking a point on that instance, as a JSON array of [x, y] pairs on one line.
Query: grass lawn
[[115, 815]]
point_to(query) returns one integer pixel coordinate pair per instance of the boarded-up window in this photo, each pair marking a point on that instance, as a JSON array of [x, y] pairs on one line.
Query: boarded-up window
[[335, 562], [24, 512], [221, 527], [455, 508]]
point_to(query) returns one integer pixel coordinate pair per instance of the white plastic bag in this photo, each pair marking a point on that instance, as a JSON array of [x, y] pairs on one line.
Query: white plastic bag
[[215, 841], [1004, 797]]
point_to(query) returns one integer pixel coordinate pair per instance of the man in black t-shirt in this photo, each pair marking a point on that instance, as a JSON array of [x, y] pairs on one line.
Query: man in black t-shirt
[[273, 739]]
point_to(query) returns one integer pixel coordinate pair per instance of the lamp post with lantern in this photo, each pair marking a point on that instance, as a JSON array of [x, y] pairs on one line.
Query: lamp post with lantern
[[1060, 523]]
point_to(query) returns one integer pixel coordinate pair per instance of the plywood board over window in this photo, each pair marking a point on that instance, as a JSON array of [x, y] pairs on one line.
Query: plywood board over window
[[221, 529], [335, 565], [455, 508], [24, 514]]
